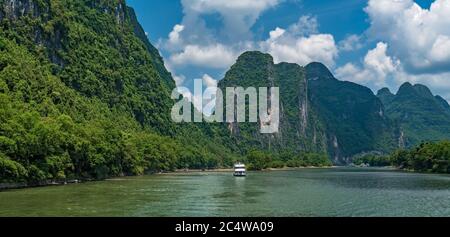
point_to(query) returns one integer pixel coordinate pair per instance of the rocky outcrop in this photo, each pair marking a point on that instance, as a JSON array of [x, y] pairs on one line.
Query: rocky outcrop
[[299, 129], [13, 9]]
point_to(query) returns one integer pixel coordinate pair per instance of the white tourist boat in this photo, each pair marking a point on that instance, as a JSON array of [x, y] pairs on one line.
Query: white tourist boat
[[239, 170]]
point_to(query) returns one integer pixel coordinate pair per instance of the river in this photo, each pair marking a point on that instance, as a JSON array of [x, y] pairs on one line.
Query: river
[[302, 192]]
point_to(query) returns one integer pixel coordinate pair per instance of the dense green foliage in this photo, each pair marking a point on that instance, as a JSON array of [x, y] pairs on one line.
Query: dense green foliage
[[427, 157], [52, 132], [420, 115], [373, 160], [83, 96], [258, 160]]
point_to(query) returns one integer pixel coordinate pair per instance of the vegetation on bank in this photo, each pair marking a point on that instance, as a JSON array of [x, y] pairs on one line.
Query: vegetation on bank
[[373, 160], [259, 160], [427, 157]]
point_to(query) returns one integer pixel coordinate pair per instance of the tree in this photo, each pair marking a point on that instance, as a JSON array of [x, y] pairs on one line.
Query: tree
[[258, 160]]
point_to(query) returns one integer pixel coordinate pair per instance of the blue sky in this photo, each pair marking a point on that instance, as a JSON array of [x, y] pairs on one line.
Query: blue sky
[[377, 43]]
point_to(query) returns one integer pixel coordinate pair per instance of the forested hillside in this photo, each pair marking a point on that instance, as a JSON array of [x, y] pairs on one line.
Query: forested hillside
[[420, 115], [83, 94]]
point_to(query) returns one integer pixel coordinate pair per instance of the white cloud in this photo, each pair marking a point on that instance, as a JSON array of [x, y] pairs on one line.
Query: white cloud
[[377, 61], [300, 43], [175, 39], [412, 31], [286, 47], [237, 16], [277, 33], [179, 79], [381, 70], [214, 56], [208, 81], [306, 25], [376, 70], [440, 52], [350, 43], [195, 45]]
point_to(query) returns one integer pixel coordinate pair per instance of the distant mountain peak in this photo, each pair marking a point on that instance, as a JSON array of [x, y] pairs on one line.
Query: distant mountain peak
[[256, 56], [417, 90], [406, 85], [316, 70], [423, 90], [406, 89], [421, 115], [384, 91], [385, 95]]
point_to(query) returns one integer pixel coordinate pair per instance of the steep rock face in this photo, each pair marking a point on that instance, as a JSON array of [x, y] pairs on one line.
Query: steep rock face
[[299, 128], [14, 9], [353, 116], [420, 115]]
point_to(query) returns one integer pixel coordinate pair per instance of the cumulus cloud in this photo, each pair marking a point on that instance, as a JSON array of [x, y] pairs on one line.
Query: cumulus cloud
[[179, 79], [381, 70], [214, 56], [192, 43], [208, 81], [175, 39], [286, 46], [414, 46], [350, 43], [306, 25], [377, 61], [198, 45], [376, 70], [238, 16], [301, 43], [417, 36]]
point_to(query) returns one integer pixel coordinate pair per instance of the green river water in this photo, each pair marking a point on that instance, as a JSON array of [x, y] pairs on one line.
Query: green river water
[[302, 192]]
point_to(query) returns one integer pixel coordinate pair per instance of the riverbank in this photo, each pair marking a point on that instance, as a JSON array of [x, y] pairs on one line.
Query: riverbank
[[7, 186]]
